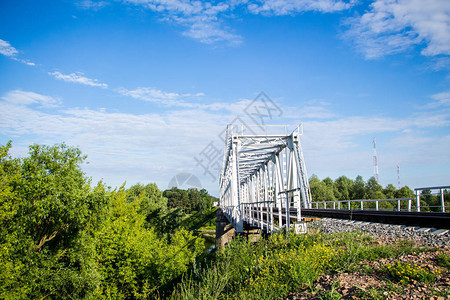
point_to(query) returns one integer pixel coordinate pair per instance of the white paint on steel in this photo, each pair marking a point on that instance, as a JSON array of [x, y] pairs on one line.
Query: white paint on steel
[[263, 174]]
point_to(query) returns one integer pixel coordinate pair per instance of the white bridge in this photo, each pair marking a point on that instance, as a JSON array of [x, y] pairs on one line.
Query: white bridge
[[263, 182]]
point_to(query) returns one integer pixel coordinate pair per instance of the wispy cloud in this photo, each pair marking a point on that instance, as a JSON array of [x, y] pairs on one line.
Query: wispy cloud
[[78, 78], [211, 32], [387, 27], [443, 99], [94, 5], [202, 19], [393, 26], [172, 99], [152, 95], [6, 49], [287, 7], [158, 146], [146, 146], [11, 52], [19, 97]]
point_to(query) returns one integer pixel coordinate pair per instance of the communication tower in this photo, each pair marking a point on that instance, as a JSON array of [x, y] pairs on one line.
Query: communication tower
[[375, 161]]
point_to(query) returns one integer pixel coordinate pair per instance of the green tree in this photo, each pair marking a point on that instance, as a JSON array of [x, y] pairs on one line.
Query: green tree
[[344, 186], [152, 204], [177, 198], [60, 238], [194, 199], [374, 190], [48, 205], [359, 189], [133, 261], [330, 185], [320, 191], [389, 191]]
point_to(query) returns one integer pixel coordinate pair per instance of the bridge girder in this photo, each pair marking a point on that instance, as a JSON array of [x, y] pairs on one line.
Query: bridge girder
[[263, 172]]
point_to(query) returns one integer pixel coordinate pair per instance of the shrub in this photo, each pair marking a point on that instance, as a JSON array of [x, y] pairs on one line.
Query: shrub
[[443, 260], [406, 272]]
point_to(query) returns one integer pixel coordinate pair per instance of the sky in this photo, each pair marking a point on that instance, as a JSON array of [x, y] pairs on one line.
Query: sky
[[146, 88]]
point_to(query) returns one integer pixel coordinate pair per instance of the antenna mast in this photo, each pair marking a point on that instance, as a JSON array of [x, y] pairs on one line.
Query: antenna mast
[[398, 175], [375, 161]]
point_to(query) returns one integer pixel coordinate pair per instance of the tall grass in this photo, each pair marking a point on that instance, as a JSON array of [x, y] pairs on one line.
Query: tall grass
[[272, 268]]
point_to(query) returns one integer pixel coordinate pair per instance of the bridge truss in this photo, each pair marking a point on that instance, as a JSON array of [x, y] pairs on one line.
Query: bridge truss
[[264, 179]]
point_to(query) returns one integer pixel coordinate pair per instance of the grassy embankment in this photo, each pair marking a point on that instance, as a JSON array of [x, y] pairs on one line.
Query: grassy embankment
[[282, 264]]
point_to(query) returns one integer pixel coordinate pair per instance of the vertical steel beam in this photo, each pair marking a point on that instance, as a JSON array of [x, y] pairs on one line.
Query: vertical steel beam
[[417, 200], [266, 194], [279, 184], [235, 183]]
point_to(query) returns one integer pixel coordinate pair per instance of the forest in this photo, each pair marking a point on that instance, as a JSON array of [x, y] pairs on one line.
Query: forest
[[63, 237]]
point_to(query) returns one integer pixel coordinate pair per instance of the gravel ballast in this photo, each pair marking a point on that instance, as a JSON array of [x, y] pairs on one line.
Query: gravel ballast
[[423, 236]]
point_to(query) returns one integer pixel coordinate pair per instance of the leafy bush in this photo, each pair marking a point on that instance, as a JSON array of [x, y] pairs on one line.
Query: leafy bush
[[60, 238], [443, 260], [272, 268], [406, 272]]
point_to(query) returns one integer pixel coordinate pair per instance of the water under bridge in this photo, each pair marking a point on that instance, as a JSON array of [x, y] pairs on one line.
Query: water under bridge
[[264, 185]]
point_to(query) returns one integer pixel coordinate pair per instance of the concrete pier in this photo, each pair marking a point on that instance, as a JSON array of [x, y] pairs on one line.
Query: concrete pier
[[224, 230]]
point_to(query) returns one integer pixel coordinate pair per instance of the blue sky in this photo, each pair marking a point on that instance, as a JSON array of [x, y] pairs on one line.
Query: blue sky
[[145, 88]]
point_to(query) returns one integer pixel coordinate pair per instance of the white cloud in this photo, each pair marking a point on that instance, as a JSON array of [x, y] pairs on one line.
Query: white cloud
[[6, 49], [313, 109], [20, 97], [393, 26], [152, 95], [78, 78], [202, 19], [148, 147], [211, 32], [28, 62], [11, 52], [184, 100], [120, 146], [287, 7], [441, 99], [94, 5]]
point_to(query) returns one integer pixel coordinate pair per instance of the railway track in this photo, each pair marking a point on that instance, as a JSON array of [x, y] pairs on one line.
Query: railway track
[[422, 219]]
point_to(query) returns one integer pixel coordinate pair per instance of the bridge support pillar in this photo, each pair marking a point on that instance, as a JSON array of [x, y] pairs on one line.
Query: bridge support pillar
[[224, 230]]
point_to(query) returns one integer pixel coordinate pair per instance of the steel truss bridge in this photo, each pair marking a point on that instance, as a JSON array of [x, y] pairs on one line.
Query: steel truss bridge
[[264, 184]]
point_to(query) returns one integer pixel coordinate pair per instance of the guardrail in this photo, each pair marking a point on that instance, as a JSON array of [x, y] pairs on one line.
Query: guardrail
[[398, 204], [365, 204], [428, 191], [273, 215]]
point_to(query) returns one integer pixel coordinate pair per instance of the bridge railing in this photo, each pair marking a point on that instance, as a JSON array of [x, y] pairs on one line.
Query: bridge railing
[[434, 191], [398, 204], [401, 204], [275, 215]]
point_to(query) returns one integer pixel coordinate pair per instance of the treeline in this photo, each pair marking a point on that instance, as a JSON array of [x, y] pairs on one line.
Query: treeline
[[61, 237], [191, 200], [344, 188]]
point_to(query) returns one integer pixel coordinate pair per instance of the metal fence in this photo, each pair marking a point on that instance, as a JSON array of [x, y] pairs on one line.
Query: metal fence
[[426, 195]]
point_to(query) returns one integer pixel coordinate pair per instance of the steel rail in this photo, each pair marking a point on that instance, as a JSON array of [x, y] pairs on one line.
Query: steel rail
[[423, 219]]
